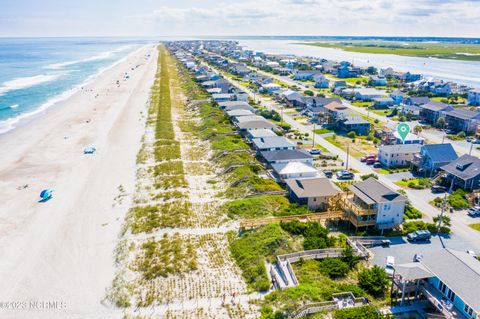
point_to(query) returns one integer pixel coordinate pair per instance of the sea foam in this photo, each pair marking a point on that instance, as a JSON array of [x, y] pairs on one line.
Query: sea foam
[[26, 82]]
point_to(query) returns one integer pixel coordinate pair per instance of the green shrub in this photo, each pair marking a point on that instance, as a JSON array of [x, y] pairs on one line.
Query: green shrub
[[411, 212], [373, 280], [334, 267], [352, 134], [363, 312]]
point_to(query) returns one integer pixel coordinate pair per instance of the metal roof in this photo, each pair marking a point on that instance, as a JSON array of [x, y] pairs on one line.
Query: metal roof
[[372, 191], [272, 142], [440, 153]]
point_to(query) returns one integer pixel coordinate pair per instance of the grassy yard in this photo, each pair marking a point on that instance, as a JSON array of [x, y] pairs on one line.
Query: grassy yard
[[323, 130], [419, 49], [348, 80], [381, 112], [415, 183], [357, 149], [361, 104]]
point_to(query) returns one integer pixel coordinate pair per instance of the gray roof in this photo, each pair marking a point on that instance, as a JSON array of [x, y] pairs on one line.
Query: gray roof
[[372, 191], [272, 142], [352, 120], [412, 271], [250, 118], [262, 133], [271, 156], [401, 148], [255, 125], [312, 187], [440, 153], [226, 104], [465, 167], [239, 112], [418, 100], [464, 114], [459, 271], [436, 106]]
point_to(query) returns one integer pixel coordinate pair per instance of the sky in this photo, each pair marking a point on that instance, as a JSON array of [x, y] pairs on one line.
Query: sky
[[450, 18]]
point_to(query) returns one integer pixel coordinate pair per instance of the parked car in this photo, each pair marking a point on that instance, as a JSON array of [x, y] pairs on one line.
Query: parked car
[[371, 160], [377, 165], [476, 141], [344, 174], [419, 235], [363, 159], [328, 174], [469, 139], [314, 151], [417, 257], [389, 263], [438, 189], [472, 253], [474, 211], [449, 132]]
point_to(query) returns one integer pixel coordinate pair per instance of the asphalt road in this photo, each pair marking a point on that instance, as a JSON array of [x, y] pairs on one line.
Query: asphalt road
[[463, 233]]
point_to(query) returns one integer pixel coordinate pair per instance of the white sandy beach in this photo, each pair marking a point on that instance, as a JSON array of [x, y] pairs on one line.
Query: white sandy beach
[[62, 250]]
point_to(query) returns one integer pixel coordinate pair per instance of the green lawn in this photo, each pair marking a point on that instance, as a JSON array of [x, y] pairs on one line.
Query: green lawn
[[475, 226], [415, 183], [323, 130], [442, 50], [362, 104], [381, 112]]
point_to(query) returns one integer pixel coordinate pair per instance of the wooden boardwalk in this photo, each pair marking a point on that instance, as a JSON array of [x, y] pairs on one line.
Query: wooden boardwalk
[[257, 222]]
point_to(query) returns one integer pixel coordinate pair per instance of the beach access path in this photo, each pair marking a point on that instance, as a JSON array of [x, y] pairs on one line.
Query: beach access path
[[61, 251]]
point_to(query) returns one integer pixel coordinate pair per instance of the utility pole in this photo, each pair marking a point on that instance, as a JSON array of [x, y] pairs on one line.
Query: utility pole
[[313, 137], [348, 152], [443, 138], [471, 146], [440, 219]]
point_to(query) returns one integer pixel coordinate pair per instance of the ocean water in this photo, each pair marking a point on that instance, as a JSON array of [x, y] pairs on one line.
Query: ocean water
[[37, 73]]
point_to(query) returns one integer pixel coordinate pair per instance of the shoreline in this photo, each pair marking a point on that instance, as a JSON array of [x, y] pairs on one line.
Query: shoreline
[[23, 119], [63, 249]]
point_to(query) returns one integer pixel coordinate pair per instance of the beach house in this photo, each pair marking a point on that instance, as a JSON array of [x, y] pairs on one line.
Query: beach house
[[447, 280], [398, 155], [373, 203], [315, 192], [434, 156], [474, 97], [273, 143], [432, 111], [464, 172], [462, 120]]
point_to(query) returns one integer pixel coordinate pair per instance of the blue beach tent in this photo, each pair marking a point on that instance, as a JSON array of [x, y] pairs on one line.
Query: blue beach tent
[[46, 194]]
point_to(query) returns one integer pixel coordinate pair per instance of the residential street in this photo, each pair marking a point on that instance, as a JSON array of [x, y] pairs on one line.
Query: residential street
[[460, 229]]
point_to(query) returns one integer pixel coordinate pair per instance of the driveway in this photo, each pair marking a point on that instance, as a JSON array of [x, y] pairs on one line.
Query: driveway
[[403, 251]]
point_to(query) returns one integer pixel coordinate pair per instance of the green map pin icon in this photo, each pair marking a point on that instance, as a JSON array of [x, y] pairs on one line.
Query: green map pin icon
[[403, 129]]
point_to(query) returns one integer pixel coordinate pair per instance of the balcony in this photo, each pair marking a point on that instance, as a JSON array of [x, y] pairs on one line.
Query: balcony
[[435, 297]]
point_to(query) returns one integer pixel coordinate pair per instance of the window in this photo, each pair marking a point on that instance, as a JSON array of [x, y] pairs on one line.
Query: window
[[468, 310], [451, 295], [442, 287], [386, 206]]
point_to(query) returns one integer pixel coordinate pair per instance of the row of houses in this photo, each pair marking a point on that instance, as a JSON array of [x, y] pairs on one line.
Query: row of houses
[[370, 203]]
